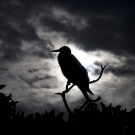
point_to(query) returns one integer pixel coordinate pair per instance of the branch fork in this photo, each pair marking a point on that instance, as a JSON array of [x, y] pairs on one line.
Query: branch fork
[[68, 89]]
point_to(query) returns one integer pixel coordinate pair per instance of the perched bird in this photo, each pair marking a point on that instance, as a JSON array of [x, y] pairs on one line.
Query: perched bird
[[73, 70]]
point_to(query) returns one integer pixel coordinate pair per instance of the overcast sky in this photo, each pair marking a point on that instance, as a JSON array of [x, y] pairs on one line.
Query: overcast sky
[[97, 33]]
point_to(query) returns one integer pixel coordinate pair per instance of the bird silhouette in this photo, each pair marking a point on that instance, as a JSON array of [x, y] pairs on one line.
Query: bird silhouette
[[73, 70]]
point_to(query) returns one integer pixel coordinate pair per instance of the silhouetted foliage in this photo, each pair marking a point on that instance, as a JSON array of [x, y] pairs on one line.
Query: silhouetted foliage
[[2, 86], [110, 120]]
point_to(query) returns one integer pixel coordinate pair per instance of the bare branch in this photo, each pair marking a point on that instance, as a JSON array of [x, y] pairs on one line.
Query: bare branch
[[64, 99], [68, 89], [102, 69], [83, 105], [59, 93], [75, 110]]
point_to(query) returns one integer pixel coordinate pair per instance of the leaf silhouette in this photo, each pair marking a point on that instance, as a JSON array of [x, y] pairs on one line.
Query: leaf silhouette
[[30, 116], [13, 103], [9, 97], [2, 86], [60, 115], [22, 115], [52, 113], [46, 113], [2, 98], [104, 108], [37, 115]]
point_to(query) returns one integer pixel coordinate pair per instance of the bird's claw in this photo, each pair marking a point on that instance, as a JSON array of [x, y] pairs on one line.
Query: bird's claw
[[68, 83], [98, 98], [66, 91], [102, 67]]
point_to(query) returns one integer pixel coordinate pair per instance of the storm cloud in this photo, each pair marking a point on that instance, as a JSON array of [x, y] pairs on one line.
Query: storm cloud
[[103, 31]]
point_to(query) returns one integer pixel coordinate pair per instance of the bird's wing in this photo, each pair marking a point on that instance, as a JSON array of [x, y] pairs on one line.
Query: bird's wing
[[77, 65], [73, 69]]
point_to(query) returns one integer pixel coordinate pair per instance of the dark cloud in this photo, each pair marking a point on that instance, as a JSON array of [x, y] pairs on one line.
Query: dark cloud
[[36, 81], [126, 69], [53, 24], [15, 29], [110, 25], [121, 71], [91, 25]]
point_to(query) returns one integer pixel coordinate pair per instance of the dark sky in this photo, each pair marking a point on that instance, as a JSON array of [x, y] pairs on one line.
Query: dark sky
[[97, 32]]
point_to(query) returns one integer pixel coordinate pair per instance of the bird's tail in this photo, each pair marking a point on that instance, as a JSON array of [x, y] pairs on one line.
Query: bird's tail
[[87, 97], [90, 91]]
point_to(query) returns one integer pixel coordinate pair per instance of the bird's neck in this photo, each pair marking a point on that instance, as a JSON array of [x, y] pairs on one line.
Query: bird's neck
[[65, 53]]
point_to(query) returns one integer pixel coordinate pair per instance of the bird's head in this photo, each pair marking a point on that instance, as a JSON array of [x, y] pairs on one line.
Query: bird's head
[[63, 49]]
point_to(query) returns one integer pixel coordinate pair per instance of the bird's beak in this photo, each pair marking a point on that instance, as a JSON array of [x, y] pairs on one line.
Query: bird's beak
[[58, 50]]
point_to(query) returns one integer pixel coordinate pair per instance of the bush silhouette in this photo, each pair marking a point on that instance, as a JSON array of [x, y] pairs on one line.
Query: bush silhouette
[[110, 120]]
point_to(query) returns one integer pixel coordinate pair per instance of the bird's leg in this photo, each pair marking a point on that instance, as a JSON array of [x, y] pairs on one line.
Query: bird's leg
[[90, 100], [102, 69], [65, 102], [68, 83]]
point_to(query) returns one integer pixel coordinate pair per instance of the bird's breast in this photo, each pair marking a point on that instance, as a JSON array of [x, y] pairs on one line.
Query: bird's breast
[[72, 68]]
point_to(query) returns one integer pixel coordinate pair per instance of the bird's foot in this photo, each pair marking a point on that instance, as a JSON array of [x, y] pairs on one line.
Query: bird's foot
[[68, 83], [66, 91], [98, 98]]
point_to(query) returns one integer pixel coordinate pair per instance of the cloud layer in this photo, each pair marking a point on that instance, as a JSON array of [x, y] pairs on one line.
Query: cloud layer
[[97, 32]]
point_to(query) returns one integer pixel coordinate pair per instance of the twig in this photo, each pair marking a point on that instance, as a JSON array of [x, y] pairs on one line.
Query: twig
[[64, 99], [88, 102], [102, 69], [68, 89]]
